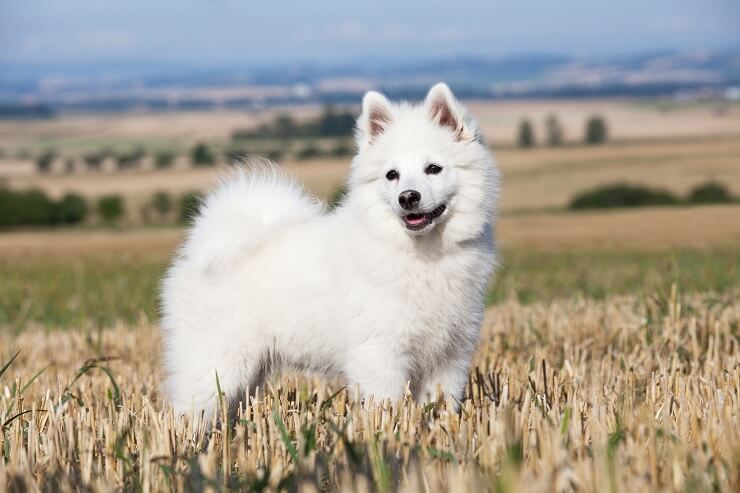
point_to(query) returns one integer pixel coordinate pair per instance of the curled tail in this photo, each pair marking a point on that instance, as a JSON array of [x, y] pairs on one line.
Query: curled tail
[[243, 212]]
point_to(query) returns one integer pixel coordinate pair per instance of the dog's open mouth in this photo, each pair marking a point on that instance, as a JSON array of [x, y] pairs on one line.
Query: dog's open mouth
[[421, 220]]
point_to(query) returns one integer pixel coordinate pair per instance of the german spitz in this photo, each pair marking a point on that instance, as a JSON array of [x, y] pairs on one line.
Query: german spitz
[[386, 291]]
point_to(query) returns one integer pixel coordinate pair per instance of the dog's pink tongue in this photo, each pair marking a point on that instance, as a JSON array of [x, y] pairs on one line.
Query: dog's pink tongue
[[414, 219]]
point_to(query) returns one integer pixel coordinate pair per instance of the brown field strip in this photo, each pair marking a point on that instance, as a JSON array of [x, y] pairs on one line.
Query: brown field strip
[[321, 177], [642, 229], [499, 120], [550, 178], [532, 179]]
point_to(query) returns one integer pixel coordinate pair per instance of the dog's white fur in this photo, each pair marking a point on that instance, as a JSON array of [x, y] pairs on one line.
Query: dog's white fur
[[266, 278]]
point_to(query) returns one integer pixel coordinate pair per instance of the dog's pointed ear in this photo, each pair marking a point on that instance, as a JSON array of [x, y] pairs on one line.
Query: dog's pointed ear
[[376, 114], [445, 111]]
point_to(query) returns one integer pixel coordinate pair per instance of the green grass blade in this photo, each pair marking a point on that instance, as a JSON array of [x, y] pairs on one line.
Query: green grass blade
[[7, 365], [284, 436], [28, 384]]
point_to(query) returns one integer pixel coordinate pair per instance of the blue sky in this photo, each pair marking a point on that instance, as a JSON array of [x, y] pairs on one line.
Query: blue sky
[[63, 32]]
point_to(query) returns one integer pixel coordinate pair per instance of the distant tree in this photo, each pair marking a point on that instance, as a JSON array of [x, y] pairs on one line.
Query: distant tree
[[94, 161], [264, 130], [202, 155], [69, 165], [110, 208], [38, 208], [596, 131], [342, 149], [71, 209], [162, 203], [2, 153], [335, 124], [710, 193], [284, 126], [526, 134], [8, 207], [25, 208], [131, 159], [242, 133], [189, 206], [274, 155], [622, 195], [43, 162], [554, 131], [235, 156], [309, 152], [164, 159]]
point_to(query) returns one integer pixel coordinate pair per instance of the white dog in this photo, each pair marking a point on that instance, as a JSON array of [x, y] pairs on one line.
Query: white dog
[[387, 291]]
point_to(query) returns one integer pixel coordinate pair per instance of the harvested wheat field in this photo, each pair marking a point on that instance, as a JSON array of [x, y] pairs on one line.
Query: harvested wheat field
[[578, 395]]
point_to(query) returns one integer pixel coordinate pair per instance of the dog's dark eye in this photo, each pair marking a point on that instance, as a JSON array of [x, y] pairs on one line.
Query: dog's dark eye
[[392, 175], [433, 169]]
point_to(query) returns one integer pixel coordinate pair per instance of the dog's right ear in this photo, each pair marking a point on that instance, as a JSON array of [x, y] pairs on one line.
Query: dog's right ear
[[375, 117]]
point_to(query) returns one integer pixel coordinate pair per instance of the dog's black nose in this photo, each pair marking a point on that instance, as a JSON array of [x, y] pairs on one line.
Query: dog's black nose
[[409, 199]]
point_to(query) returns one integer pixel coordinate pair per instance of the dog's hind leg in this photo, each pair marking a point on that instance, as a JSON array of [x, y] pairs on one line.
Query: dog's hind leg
[[193, 379]]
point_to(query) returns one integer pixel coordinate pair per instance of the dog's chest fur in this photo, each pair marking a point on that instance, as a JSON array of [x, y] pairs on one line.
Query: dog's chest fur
[[441, 301]]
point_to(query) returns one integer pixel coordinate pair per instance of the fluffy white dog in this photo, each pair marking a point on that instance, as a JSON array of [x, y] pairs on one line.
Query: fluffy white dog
[[387, 291]]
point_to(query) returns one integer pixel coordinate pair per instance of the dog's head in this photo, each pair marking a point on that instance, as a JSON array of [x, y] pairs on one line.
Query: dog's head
[[424, 167]]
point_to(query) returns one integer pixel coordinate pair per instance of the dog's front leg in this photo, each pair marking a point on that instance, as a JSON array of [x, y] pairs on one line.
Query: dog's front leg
[[377, 371], [451, 379]]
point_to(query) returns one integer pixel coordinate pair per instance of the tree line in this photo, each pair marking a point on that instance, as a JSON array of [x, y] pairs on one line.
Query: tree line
[[34, 208], [330, 123], [595, 132], [201, 154], [631, 195]]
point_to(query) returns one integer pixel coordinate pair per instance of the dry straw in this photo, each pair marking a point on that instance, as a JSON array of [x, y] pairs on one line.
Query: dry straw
[[615, 395]]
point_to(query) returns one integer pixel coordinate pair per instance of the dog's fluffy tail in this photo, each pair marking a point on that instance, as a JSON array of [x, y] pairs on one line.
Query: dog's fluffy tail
[[243, 212]]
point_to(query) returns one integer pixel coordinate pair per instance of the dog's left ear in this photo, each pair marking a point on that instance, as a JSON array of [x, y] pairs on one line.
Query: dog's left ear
[[446, 112]]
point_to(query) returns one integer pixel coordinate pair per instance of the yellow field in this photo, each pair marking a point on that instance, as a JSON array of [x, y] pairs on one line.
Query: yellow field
[[623, 394]]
